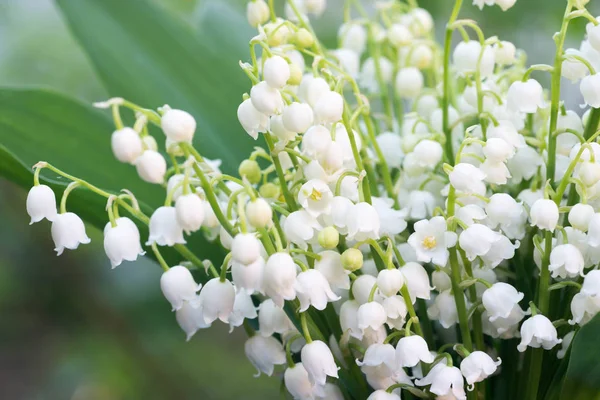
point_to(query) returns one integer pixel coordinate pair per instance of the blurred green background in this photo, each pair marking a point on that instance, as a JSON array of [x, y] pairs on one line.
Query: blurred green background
[[70, 328]]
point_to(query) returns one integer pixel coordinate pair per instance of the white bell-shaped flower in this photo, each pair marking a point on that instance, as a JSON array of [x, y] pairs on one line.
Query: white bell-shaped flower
[[390, 281], [505, 4], [566, 344], [178, 286], [444, 309], [399, 35], [417, 281], [189, 211], [217, 298], [590, 87], [316, 140], [259, 213], [390, 144], [311, 89], [68, 232], [264, 353], [477, 366], [468, 58], [257, 12], [318, 361], [363, 222], [190, 319], [313, 289], [591, 284], [151, 166], [409, 82], [243, 308], [252, 120], [248, 278], [391, 221], [466, 177], [505, 53], [584, 308], [297, 383], [379, 354], [272, 319], [496, 173], [477, 240], [300, 227], [537, 332], [428, 153], [178, 125], [498, 150], [574, 70], [502, 209], [544, 214], [353, 36], [276, 71], [444, 381], [441, 280], [122, 242], [266, 99], [503, 249], [41, 203], [330, 265], [126, 145], [589, 173], [594, 230], [525, 97], [362, 286], [381, 394], [580, 216], [280, 278], [420, 205], [349, 318], [329, 108], [277, 128], [164, 228], [395, 309], [412, 350], [245, 248], [431, 240], [500, 300], [566, 261], [315, 197], [506, 131], [371, 315], [297, 117]]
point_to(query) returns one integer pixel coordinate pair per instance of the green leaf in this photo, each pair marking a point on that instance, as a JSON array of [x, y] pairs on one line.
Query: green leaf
[[41, 125], [582, 380], [145, 55]]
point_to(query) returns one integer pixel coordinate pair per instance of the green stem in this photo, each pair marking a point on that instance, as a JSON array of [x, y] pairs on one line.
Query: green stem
[[305, 330], [159, 257], [289, 198]]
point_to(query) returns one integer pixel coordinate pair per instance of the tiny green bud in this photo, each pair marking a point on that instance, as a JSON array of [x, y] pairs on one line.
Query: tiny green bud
[[269, 191], [295, 75], [304, 38], [250, 170], [352, 259], [329, 238]]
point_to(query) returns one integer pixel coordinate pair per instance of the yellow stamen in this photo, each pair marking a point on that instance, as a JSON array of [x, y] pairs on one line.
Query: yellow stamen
[[315, 195], [429, 242]]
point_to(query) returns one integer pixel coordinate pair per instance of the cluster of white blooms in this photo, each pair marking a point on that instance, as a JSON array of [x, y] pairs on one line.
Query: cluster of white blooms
[[416, 188]]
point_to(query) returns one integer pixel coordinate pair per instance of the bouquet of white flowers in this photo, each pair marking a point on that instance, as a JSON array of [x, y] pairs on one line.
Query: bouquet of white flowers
[[420, 222]]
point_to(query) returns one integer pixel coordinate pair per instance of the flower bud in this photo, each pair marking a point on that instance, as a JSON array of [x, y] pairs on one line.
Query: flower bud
[[297, 117], [329, 108], [352, 259], [277, 33], [276, 72], [68, 231], [329, 238], [41, 203], [217, 298], [252, 120], [390, 281], [266, 99], [250, 170], [149, 143], [264, 353], [257, 12], [164, 229], [505, 4], [544, 214], [189, 211], [178, 125], [580, 216], [259, 213], [122, 242], [269, 191], [295, 75], [178, 286], [151, 167], [245, 248], [318, 361], [409, 82], [126, 145], [304, 38]]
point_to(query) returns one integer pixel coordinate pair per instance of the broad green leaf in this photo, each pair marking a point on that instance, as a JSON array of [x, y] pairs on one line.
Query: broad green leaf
[[582, 381], [40, 125], [145, 55]]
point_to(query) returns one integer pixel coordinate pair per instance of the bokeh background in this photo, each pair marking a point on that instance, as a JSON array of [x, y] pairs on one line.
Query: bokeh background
[[72, 328]]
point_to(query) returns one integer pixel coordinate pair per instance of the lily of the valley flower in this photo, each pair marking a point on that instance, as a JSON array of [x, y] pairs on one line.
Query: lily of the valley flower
[[41, 203], [68, 232], [431, 240]]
